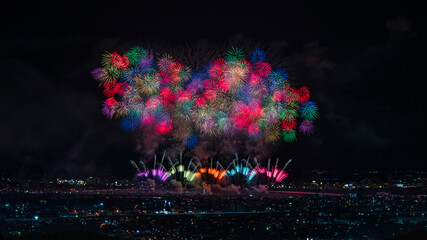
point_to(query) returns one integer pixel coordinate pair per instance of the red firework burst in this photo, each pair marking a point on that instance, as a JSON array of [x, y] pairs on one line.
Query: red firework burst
[[262, 69], [200, 101], [110, 88], [164, 127], [167, 95], [224, 84], [304, 95], [289, 124], [111, 102], [120, 62]]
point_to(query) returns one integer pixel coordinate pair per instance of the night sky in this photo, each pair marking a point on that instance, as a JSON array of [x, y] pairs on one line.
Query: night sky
[[364, 64]]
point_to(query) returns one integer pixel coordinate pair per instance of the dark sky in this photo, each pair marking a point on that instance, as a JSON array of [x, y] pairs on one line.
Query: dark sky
[[363, 62]]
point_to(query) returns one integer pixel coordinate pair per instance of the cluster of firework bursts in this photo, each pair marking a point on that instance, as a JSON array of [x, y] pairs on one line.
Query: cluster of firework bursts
[[240, 172], [228, 97]]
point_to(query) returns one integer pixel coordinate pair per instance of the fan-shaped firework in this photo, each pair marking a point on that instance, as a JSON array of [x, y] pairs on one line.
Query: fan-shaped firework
[[270, 175], [240, 172], [180, 173], [212, 175], [228, 97]]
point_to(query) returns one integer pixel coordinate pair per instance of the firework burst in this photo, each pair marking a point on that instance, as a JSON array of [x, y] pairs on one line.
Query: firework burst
[[229, 96]]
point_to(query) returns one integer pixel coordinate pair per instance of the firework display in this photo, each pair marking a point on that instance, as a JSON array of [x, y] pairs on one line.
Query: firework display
[[270, 175], [228, 97], [240, 172], [211, 175]]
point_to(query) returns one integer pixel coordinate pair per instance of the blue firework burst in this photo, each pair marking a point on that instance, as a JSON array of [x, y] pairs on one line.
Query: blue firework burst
[[130, 122], [191, 141], [309, 110], [258, 55]]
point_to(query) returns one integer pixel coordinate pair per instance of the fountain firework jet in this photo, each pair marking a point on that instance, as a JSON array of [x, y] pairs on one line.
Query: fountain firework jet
[[179, 173], [210, 175], [158, 172], [134, 165], [271, 175], [239, 172]]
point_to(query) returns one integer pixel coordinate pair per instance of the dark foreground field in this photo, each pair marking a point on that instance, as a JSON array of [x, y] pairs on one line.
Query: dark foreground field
[[274, 215]]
